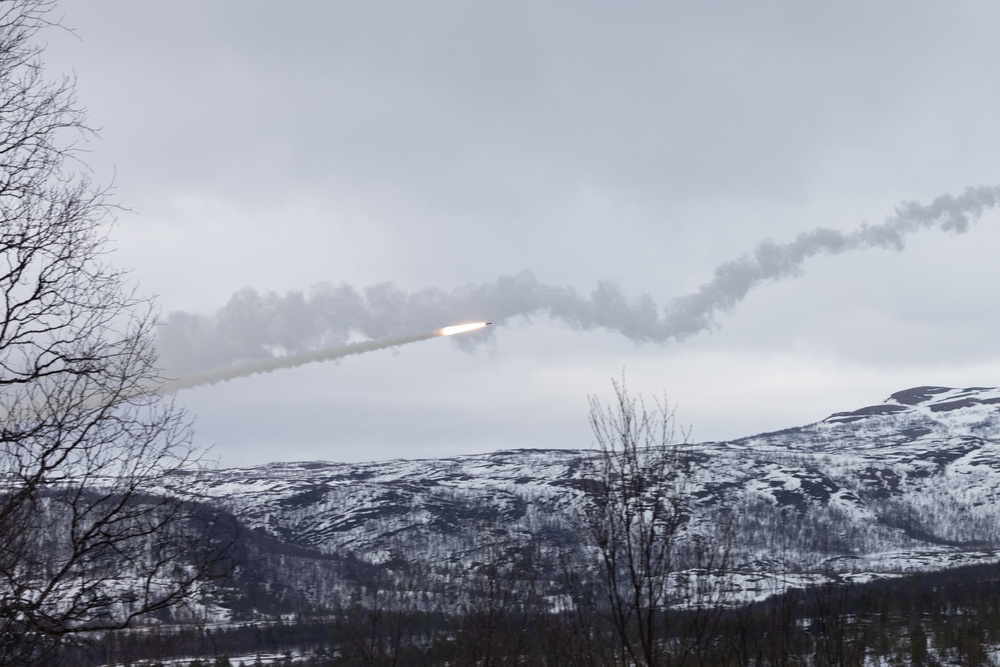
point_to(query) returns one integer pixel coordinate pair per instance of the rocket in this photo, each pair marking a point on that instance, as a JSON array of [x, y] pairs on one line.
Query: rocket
[[462, 328]]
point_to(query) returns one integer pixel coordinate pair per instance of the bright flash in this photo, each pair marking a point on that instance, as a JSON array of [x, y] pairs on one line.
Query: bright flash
[[461, 328]]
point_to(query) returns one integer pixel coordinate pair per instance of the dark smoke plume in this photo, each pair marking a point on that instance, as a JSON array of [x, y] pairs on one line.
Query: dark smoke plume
[[258, 326]]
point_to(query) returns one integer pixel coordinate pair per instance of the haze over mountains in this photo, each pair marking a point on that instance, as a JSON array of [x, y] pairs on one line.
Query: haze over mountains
[[910, 484]]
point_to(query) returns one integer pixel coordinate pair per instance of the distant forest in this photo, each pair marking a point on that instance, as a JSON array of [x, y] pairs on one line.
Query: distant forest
[[943, 618]]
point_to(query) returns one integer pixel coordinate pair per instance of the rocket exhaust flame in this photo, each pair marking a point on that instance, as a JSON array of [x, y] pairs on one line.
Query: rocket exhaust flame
[[462, 328]]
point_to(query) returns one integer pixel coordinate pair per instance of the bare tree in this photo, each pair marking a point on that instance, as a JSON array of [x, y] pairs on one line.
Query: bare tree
[[636, 521], [503, 607], [84, 544], [381, 620]]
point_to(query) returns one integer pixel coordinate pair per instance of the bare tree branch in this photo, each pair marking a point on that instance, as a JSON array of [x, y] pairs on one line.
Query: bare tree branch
[[637, 524], [84, 542]]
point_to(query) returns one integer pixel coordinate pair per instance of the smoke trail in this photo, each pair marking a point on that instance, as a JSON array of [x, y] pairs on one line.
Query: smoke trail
[[287, 361], [255, 326]]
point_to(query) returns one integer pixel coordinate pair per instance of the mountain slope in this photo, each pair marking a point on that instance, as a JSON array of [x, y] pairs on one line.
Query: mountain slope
[[912, 483]]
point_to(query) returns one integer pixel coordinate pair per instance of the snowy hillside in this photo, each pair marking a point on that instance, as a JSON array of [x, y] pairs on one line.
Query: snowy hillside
[[910, 484]]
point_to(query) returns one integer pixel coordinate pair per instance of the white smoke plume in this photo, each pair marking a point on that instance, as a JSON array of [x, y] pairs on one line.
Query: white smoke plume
[[258, 326], [286, 361]]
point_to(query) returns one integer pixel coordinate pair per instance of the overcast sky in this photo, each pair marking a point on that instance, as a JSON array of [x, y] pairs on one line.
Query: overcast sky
[[309, 145]]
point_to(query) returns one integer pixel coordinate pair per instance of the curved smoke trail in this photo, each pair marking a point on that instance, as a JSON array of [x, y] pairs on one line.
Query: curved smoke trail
[[255, 326]]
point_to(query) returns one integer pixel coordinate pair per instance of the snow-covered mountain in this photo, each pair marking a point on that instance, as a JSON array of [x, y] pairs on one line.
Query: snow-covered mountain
[[912, 483]]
